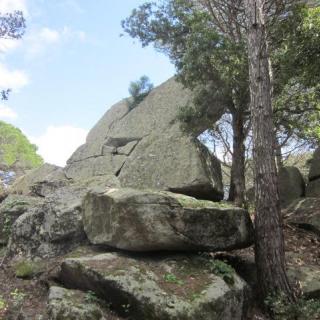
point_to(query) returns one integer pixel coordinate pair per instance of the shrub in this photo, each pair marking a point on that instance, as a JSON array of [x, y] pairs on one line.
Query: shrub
[[302, 309], [222, 269], [139, 90]]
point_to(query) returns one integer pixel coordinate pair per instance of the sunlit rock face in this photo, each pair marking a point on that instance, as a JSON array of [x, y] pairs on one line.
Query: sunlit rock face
[[146, 148]]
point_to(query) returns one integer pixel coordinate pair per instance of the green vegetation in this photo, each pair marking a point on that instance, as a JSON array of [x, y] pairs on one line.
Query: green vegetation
[[215, 67], [171, 278], [139, 90], [91, 297], [27, 269], [302, 309], [223, 270], [16, 150], [3, 304]]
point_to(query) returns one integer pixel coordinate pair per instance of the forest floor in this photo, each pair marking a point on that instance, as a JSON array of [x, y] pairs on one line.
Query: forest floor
[[26, 299]]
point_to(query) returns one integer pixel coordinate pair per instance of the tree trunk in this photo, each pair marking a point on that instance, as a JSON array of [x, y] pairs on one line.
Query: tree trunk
[[237, 181], [269, 242]]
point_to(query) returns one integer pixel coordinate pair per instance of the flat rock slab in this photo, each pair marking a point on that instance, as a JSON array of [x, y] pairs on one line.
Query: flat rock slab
[[64, 304], [305, 213], [179, 287], [309, 279], [137, 220]]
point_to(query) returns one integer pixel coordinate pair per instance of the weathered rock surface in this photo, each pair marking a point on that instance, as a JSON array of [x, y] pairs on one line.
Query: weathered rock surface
[[176, 287], [64, 304], [291, 185], [51, 228], [305, 213], [12, 208], [3, 191], [52, 224], [309, 279], [146, 148], [138, 220], [313, 189], [41, 181], [315, 166]]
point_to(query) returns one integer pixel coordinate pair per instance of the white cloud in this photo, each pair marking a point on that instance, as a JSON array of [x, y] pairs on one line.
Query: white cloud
[[8, 44], [38, 42], [14, 79], [58, 143], [72, 5], [12, 5], [7, 113], [48, 35], [69, 34]]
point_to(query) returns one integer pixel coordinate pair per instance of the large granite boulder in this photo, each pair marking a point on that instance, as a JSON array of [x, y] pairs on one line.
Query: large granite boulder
[[54, 225], [51, 228], [12, 208], [138, 220], [291, 185], [305, 213], [313, 187], [146, 148], [41, 181], [315, 166], [180, 287]]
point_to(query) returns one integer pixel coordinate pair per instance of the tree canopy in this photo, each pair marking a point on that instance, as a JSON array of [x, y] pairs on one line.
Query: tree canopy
[[16, 150], [12, 26]]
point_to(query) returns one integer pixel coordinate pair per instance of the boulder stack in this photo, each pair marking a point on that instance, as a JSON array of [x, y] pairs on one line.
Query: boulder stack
[[140, 192]]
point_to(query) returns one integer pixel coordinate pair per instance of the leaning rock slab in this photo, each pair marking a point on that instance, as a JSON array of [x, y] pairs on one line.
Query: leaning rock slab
[[176, 287], [41, 181], [146, 148], [305, 213], [137, 220], [291, 185]]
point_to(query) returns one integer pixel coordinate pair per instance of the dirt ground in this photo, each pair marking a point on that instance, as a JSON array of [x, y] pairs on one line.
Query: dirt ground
[[29, 297]]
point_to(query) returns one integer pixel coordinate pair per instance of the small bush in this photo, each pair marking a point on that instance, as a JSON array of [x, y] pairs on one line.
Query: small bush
[[222, 269], [302, 309], [139, 90]]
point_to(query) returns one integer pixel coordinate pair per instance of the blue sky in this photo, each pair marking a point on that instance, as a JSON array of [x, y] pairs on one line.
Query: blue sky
[[70, 67]]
